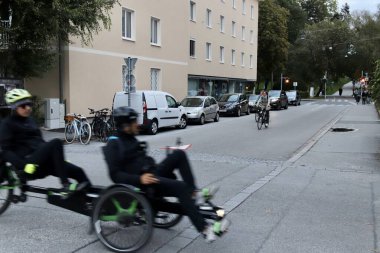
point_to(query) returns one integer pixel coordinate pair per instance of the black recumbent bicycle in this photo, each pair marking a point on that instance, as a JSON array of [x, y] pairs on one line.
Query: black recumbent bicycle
[[122, 216]]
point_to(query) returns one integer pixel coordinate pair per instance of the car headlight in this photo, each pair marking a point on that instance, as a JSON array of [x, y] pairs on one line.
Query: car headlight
[[274, 100]]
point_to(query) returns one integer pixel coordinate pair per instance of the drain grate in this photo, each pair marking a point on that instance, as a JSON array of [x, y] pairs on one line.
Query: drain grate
[[342, 129]]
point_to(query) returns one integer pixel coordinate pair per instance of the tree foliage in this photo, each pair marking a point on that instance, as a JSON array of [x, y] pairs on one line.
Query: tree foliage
[[38, 25], [273, 38]]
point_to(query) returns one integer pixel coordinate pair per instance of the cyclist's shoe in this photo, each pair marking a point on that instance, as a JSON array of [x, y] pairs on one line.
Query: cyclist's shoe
[[266, 124], [216, 229], [70, 188], [205, 194]]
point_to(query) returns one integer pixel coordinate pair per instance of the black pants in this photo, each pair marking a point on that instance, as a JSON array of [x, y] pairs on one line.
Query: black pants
[[267, 116], [182, 190], [50, 160]]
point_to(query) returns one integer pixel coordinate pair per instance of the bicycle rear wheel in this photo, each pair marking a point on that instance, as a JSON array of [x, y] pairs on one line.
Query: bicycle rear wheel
[[85, 133], [70, 132], [123, 220], [6, 190], [260, 123], [105, 132]]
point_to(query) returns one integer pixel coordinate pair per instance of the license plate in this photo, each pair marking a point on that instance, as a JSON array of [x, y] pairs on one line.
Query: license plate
[[222, 110]]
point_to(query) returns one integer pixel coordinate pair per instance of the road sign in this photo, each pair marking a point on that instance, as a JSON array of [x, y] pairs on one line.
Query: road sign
[[131, 63], [295, 84]]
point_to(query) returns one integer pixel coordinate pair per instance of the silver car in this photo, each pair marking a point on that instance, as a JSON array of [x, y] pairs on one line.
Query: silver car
[[201, 109]]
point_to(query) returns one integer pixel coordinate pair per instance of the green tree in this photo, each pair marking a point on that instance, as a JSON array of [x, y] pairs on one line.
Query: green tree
[[273, 38], [38, 26], [375, 84], [319, 10]]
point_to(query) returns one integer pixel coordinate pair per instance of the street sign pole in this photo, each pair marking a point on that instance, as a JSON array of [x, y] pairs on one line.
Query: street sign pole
[[326, 85], [129, 77], [281, 80], [129, 81]]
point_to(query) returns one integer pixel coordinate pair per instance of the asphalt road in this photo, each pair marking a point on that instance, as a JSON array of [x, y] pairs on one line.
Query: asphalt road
[[231, 154]]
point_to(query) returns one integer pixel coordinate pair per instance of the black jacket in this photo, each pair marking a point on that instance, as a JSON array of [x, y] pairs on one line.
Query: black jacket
[[126, 159], [19, 137]]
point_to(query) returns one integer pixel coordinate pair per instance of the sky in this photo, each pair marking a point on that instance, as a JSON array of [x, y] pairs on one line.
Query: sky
[[355, 5]]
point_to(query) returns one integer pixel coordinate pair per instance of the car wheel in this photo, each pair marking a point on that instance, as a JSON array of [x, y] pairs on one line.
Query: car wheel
[[182, 123], [216, 119], [202, 120], [153, 127], [299, 103], [286, 106], [248, 111], [238, 113]]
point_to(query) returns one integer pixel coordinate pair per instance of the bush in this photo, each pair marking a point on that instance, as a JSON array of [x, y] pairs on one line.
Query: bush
[[375, 84]]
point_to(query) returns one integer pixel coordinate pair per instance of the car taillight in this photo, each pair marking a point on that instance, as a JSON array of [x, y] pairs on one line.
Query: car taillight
[[145, 109]]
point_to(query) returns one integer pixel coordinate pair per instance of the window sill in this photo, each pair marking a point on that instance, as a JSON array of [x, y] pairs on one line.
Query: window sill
[[233, 64], [209, 27], [233, 36], [193, 20], [221, 62], [193, 57], [155, 45], [222, 32], [128, 39], [209, 60]]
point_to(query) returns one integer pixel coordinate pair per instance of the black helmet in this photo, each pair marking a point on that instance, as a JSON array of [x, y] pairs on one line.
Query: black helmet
[[124, 115]]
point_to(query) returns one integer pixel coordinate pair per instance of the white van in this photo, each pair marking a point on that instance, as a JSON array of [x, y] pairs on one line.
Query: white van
[[156, 109]]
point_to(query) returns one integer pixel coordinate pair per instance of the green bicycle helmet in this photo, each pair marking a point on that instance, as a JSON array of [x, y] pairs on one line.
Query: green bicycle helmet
[[16, 96]]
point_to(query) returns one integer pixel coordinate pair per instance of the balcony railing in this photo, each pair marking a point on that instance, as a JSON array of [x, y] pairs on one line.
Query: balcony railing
[[4, 36]]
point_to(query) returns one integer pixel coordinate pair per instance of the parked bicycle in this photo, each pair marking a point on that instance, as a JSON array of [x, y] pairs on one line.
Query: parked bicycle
[[77, 127], [100, 126], [262, 119]]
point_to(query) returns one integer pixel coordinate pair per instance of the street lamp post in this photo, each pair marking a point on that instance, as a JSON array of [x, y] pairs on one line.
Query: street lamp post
[[281, 80]]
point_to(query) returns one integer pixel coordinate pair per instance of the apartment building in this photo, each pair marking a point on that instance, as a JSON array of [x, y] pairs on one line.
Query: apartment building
[[184, 47]]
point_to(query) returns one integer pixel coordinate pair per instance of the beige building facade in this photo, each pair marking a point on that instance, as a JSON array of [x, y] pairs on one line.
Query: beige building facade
[[183, 47]]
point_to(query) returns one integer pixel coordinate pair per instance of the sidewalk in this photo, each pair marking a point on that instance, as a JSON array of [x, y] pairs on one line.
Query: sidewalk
[[347, 90], [52, 134], [327, 201]]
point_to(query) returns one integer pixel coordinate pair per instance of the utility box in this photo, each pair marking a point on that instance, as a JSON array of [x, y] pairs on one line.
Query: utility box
[[61, 116], [52, 108]]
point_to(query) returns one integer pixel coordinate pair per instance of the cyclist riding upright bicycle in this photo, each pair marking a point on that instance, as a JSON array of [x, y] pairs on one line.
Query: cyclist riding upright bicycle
[[22, 145], [128, 163], [264, 105]]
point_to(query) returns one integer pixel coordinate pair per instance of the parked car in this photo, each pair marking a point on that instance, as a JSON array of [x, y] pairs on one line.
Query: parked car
[[233, 104], [201, 109], [278, 99], [252, 102], [156, 109], [294, 97]]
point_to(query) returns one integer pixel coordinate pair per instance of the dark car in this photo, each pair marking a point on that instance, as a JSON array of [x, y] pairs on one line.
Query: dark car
[[252, 101], [278, 99], [233, 104], [294, 97]]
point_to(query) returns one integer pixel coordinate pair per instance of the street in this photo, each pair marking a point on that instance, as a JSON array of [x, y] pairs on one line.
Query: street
[[294, 187]]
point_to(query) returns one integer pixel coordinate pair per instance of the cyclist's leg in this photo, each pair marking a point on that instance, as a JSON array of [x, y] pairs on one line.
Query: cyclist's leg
[[76, 173], [174, 188], [267, 117], [49, 157], [177, 160]]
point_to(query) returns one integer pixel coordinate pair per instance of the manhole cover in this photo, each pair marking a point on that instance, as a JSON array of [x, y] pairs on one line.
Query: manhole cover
[[342, 129]]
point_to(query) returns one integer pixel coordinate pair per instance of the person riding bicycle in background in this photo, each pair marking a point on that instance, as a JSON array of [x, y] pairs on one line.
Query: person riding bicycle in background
[[129, 164], [22, 145], [263, 103]]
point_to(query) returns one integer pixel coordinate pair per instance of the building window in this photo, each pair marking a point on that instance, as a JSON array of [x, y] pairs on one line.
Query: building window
[[251, 61], [208, 51], [243, 33], [242, 59], [222, 24], [192, 11], [233, 57], [234, 4], [208, 18], [155, 37], [233, 29], [221, 55], [251, 37], [155, 79], [192, 48], [252, 12], [128, 24], [244, 7]]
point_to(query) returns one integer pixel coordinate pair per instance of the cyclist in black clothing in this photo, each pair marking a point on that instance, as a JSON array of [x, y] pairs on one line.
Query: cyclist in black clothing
[[129, 164], [22, 145]]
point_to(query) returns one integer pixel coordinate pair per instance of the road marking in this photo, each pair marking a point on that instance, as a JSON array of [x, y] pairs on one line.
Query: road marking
[[242, 196]]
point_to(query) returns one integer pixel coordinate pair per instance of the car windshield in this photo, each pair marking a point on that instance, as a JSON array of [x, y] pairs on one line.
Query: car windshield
[[253, 97], [274, 93], [291, 93], [192, 102], [229, 98]]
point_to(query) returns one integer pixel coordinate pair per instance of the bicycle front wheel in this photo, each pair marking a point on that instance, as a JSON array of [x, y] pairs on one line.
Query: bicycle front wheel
[[70, 132], [85, 133], [260, 123], [6, 190], [257, 115]]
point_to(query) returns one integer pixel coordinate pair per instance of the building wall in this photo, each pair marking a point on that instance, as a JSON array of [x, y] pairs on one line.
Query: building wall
[[199, 31]]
